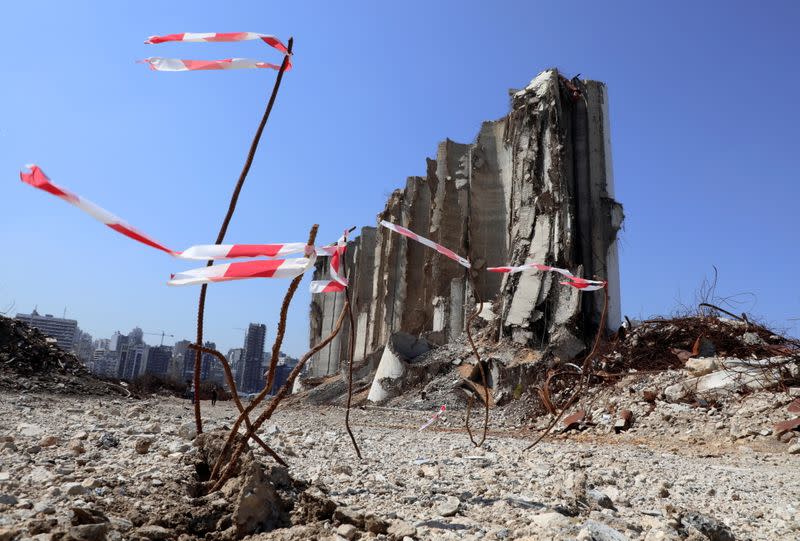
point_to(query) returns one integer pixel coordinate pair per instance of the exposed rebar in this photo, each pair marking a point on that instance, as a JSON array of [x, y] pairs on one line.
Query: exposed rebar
[[201, 304], [484, 382], [351, 351], [267, 413], [287, 299], [235, 395]]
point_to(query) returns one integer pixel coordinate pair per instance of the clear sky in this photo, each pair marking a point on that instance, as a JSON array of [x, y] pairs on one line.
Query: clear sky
[[704, 121]]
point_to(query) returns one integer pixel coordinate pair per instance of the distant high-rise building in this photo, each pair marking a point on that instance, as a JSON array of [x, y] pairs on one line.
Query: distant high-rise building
[[102, 343], [63, 330], [235, 360], [252, 376], [158, 360], [136, 361], [120, 344], [207, 362], [83, 347], [285, 366]]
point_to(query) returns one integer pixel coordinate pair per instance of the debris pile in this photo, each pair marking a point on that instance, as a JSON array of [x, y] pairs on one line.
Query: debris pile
[[31, 361]]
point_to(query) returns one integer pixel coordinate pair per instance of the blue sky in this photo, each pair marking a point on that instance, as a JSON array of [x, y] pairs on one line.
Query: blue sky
[[703, 121]]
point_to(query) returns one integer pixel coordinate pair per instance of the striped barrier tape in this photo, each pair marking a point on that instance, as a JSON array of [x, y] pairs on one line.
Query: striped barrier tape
[[571, 280], [337, 282], [427, 242], [157, 63], [178, 64], [261, 268], [271, 268], [204, 252], [434, 418]]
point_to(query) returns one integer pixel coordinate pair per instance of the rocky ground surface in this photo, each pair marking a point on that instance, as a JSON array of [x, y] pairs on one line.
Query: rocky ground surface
[[78, 467]]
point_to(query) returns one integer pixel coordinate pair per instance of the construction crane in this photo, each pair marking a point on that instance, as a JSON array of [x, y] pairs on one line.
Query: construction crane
[[162, 334]]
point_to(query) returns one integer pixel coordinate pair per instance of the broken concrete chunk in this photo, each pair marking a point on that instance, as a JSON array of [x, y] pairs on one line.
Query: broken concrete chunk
[[400, 349]]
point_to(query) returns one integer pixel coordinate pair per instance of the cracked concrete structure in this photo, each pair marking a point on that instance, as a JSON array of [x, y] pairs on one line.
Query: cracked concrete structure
[[535, 186]]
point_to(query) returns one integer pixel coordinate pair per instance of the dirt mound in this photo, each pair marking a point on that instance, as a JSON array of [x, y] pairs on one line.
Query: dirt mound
[[31, 361]]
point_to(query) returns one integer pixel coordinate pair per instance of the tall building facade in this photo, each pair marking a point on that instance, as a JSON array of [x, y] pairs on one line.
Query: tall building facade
[[252, 374], [63, 330], [158, 360]]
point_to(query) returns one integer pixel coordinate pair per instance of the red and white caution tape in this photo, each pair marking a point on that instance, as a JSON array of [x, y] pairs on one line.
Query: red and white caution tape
[[272, 41], [38, 179], [337, 282], [266, 268], [179, 64], [232, 251], [434, 418], [571, 280], [427, 242]]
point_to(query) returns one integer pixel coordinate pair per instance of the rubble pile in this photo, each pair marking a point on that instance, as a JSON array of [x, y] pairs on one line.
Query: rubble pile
[[31, 361], [661, 344]]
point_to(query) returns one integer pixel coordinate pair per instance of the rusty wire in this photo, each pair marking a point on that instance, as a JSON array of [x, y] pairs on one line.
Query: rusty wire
[[287, 299], [586, 373], [270, 409], [484, 382], [351, 347], [235, 395], [201, 304]]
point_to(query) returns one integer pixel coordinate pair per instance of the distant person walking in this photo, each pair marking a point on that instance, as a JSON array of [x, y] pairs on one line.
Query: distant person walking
[[214, 395]]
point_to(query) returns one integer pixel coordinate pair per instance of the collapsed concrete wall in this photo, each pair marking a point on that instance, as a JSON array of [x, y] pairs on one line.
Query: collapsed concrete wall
[[535, 186]]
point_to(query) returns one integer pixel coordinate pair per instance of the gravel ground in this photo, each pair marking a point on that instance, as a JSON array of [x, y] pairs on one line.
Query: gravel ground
[[656, 482]]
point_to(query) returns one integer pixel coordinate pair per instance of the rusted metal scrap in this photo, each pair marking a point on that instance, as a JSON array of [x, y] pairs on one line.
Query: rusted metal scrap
[[786, 426], [624, 422], [794, 406], [574, 421]]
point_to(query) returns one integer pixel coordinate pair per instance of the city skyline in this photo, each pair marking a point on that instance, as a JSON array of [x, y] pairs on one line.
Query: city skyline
[[128, 356]]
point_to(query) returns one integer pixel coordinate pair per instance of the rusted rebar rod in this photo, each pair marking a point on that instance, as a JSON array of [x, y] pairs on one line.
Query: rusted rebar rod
[[276, 400], [351, 348], [287, 299], [484, 381], [235, 395], [201, 304]]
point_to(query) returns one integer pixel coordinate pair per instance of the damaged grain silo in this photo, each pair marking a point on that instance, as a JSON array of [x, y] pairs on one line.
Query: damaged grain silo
[[535, 186]]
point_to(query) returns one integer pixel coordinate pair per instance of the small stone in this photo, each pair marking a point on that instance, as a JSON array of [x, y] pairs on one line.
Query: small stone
[[188, 431], [552, 519], [152, 428], [48, 441], [400, 529], [108, 440], [155, 533], [449, 507], [701, 366], [30, 430], [794, 449], [92, 482], [88, 532], [600, 498], [80, 435], [786, 437], [342, 469], [73, 489], [712, 528], [8, 499], [596, 531], [142, 445], [33, 449], [348, 531], [76, 447]]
